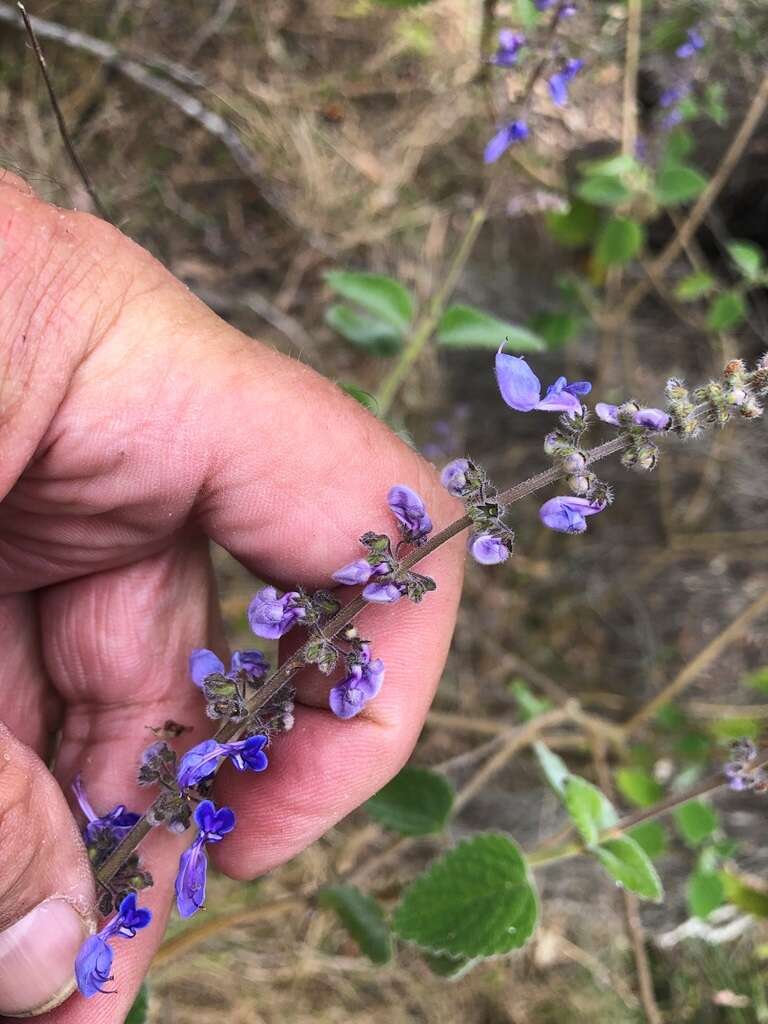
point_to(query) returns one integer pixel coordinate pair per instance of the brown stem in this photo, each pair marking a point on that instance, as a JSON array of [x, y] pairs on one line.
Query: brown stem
[[65, 136]]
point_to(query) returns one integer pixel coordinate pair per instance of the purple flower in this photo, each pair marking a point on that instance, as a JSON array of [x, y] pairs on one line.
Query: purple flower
[[361, 685], [559, 82], [202, 761], [651, 419], [94, 961], [383, 593], [694, 41], [271, 616], [521, 389], [565, 12], [410, 512], [673, 95], [213, 825], [359, 571], [510, 44], [568, 514], [454, 477], [118, 821], [488, 550], [204, 663], [506, 136]]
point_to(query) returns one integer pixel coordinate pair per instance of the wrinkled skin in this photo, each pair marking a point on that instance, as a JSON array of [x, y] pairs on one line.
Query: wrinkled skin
[[135, 425]]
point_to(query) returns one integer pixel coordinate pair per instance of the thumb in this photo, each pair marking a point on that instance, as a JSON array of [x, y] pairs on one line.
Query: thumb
[[46, 885]]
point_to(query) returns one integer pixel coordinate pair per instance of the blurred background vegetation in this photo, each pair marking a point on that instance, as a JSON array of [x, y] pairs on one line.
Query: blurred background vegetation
[[254, 147]]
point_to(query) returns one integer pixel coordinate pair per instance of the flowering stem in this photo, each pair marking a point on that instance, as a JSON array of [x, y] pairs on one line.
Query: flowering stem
[[544, 855], [425, 327], [290, 666]]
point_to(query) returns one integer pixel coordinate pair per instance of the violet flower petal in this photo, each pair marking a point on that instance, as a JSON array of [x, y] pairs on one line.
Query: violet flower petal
[[191, 879], [356, 572], [519, 386], [488, 550], [382, 593], [93, 966], [607, 413], [203, 663]]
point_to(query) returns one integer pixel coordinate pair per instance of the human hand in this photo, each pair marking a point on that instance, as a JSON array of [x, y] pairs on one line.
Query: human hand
[[135, 425]]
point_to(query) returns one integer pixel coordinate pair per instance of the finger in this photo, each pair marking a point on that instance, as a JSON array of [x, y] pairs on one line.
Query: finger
[[116, 646], [46, 886], [324, 768], [31, 708]]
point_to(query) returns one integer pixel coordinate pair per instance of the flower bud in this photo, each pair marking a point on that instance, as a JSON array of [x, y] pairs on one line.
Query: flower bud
[[576, 462]]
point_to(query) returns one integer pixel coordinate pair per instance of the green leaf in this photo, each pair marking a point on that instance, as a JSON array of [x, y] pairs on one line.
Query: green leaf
[[744, 896], [477, 900], [758, 679], [612, 166], [748, 258], [735, 728], [527, 13], [727, 311], [626, 862], [679, 144], [619, 241], [576, 226], [365, 398], [604, 190], [589, 808], [696, 821], [714, 103], [139, 1012], [554, 767], [530, 705], [380, 295], [704, 893], [361, 915], [637, 786], [451, 967], [650, 835], [467, 327], [678, 184], [557, 329], [694, 286], [363, 330], [416, 802]]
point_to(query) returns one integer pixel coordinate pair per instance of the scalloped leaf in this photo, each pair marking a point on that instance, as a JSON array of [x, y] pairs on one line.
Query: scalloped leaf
[[627, 863], [416, 802], [696, 821], [362, 916], [589, 808], [467, 327], [554, 767], [478, 900], [379, 294]]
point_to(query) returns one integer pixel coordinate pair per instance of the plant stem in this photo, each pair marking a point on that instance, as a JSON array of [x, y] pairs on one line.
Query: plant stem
[[426, 326], [544, 855]]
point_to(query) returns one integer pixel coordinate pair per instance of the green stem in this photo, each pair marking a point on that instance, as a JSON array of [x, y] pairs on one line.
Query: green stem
[[425, 327], [544, 855]]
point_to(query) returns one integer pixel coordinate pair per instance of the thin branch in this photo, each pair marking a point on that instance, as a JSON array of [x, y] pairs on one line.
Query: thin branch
[[632, 61], [189, 105], [700, 209], [734, 631], [63, 132]]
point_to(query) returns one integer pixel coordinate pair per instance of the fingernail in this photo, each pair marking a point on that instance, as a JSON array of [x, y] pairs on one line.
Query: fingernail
[[37, 958]]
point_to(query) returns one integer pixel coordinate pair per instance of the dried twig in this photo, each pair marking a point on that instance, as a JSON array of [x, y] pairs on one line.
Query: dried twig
[[65, 136], [702, 206], [189, 105], [734, 631]]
